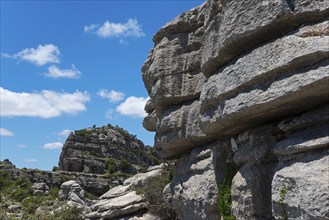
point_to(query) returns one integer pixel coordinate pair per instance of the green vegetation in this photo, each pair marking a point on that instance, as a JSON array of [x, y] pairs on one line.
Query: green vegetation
[[111, 165], [126, 166], [55, 168], [224, 189], [152, 191], [282, 194], [65, 213], [17, 190]]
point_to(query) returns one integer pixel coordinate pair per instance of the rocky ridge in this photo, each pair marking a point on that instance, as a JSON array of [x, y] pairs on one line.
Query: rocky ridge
[[243, 84], [105, 149]]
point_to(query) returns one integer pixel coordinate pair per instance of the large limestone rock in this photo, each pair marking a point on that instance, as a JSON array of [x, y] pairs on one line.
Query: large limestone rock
[[253, 75], [40, 188], [193, 193], [233, 27], [254, 88], [300, 190], [72, 191], [122, 202]]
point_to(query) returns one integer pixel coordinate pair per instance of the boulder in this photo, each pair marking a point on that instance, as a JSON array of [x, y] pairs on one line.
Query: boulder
[[72, 191], [122, 202], [300, 189], [193, 192], [40, 188]]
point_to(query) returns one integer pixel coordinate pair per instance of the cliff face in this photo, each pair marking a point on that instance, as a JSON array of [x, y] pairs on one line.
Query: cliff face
[[244, 84], [106, 149]]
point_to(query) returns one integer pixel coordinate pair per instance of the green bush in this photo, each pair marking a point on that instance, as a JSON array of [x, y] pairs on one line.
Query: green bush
[[66, 213], [126, 166], [55, 168], [5, 181], [152, 191], [111, 165], [69, 213], [224, 189], [30, 204]]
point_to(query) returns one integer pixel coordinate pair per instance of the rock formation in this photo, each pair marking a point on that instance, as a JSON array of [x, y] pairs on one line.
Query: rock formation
[[88, 151], [96, 184], [244, 82], [122, 201]]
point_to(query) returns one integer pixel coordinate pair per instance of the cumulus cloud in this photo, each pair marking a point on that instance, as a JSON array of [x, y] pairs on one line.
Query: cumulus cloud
[[109, 29], [133, 106], [41, 55], [22, 146], [44, 104], [52, 146], [113, 96], [32, 160], [5, 132], [65, 133], [55, 72]]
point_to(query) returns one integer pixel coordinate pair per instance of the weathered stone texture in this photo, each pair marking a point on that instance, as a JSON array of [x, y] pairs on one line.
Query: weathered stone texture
[[193, 192], [252, 74], [300, 190]]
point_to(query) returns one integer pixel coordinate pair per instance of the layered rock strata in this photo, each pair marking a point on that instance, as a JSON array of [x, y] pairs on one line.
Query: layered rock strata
[[87, 151], [247, 82]]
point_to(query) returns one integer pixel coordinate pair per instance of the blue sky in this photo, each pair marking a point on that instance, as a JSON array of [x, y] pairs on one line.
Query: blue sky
[[67, 65]]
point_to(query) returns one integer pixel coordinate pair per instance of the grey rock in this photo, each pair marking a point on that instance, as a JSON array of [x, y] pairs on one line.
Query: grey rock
[[14, 208], [193, 192], [150, 121], [232, 28], [318, 116], [303, 141], [185, 22], [40, 188], [122, 202], [251, 192], [300, 191], [72, 191], [255, 146], [171, 72], [255, 88], [178, 130], [86, 150], [139, 179]]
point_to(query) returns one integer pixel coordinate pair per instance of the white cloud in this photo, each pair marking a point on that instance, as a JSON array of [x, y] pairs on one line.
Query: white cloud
[[5, 132], [91, 28], [109, 114], [22, 146], [52, 146], [55, 72], [32, 160], [109, 29], [133, 106], [65, 133], [44, 104], [41, 55], [113, 96]]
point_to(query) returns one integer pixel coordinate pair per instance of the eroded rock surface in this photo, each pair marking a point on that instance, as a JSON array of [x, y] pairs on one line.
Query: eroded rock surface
[[122, 202], [252, 77]]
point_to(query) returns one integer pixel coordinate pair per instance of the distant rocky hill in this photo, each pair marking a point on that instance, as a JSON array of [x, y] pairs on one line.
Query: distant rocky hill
[[107, 149]]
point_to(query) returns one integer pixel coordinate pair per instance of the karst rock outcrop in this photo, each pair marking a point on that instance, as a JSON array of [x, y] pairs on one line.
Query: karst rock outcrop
[[244, 84]]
